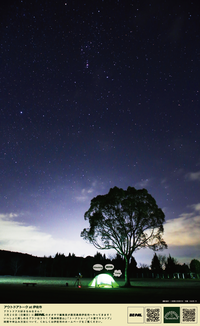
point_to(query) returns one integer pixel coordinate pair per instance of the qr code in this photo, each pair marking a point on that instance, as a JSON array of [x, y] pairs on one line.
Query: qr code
[[153, 315], [189, 315]]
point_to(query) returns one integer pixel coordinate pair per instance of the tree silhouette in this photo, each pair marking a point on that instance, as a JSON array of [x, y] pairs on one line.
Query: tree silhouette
[[195, 266], [163, 261], [125, 220], [118, 262], [171, 265], [155, 264], [99, 256]]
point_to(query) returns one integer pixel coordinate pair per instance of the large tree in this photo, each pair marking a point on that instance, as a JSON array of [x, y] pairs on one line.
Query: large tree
[[125, 220]]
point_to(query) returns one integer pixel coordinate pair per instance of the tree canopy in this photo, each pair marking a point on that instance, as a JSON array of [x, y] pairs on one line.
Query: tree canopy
[[125, 220]]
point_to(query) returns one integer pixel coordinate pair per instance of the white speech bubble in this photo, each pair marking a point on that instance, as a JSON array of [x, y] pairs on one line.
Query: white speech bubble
[[117, 273], [97, 267], [109, 267]]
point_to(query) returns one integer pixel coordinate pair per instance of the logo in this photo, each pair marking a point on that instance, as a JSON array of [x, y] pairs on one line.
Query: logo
[[171, 315], [135, 315]]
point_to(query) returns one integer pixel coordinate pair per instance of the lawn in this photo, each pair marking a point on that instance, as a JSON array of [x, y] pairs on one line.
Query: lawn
[[54, 290]]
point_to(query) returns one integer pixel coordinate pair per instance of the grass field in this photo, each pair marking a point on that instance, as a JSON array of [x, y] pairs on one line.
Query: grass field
[[54, 290]]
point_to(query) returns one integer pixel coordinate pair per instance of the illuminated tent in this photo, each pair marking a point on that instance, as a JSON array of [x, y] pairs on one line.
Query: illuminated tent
[[104, 281]]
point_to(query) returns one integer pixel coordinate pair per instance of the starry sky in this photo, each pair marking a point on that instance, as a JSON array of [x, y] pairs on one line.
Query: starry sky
[[97, 94]]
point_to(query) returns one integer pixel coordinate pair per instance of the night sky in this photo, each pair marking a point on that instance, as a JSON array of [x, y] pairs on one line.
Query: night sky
[[97, 94]]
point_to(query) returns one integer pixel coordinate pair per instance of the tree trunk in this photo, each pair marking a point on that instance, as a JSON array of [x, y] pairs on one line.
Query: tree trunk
[[127, 280]]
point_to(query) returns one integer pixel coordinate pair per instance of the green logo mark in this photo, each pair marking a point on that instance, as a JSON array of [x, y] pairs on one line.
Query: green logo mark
[[171, 315]]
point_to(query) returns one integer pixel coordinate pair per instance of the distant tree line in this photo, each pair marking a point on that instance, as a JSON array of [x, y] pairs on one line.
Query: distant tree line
[[14, 263], [162, 266]]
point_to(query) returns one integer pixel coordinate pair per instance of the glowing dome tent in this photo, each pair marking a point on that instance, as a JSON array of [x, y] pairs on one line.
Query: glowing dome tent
[[104, 281]]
